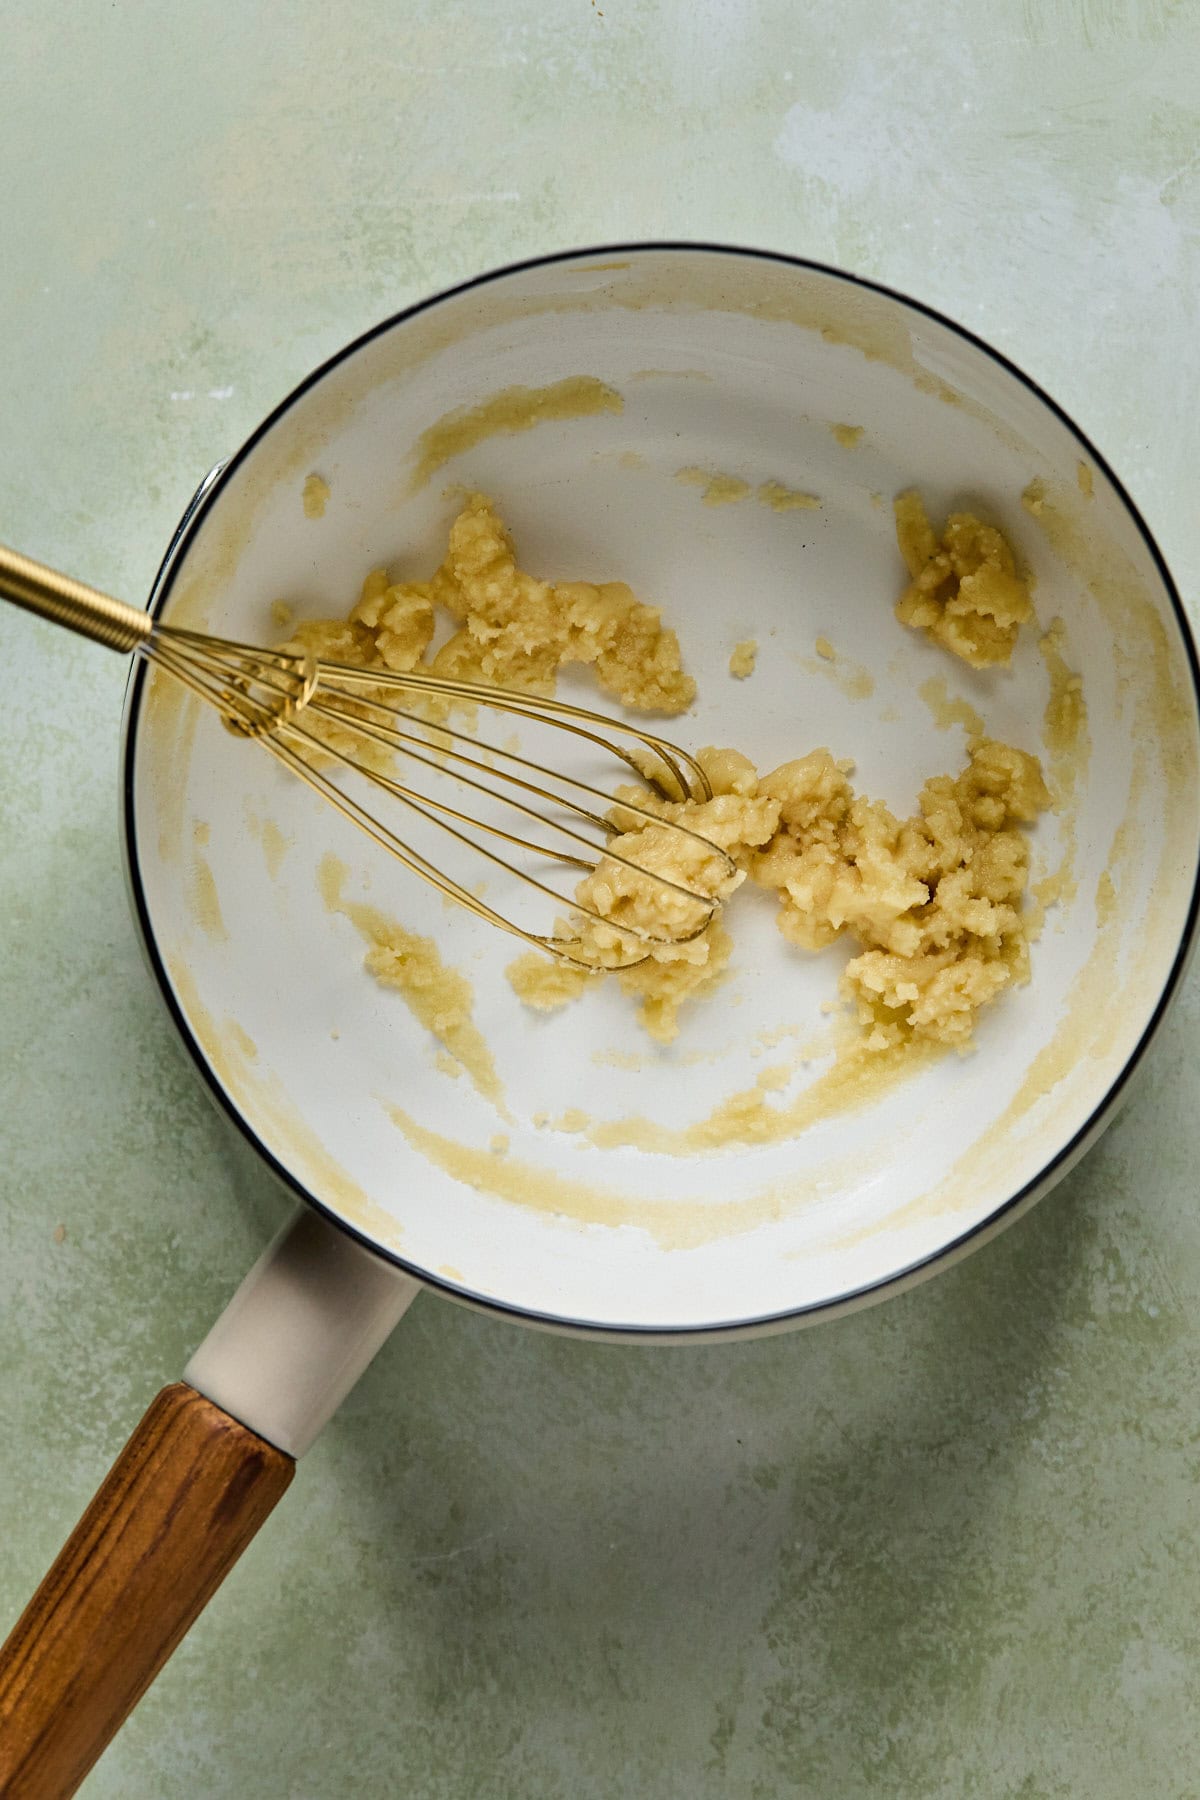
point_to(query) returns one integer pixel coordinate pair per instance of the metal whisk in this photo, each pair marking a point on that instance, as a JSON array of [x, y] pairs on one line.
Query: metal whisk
[[301, 709]]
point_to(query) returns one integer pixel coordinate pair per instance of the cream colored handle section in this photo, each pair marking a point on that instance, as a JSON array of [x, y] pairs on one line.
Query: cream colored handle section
[[200, 1474], [65, 601], [299, 1332]]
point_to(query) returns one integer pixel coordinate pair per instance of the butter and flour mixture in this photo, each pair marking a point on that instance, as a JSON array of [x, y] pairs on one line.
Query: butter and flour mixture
[[933, 904]]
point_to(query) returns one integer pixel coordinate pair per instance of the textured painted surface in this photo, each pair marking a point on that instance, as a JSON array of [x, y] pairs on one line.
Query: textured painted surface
[[944, 1548]]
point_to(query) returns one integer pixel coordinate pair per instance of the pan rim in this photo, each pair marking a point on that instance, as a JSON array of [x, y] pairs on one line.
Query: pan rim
[[790, 1317]]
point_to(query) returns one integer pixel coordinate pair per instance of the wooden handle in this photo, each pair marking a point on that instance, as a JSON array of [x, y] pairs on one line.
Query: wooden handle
[[184, 1498]]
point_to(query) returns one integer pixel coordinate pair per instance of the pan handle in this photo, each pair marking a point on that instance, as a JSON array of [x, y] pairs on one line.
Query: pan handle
[[182, 1501], [206, 1466]]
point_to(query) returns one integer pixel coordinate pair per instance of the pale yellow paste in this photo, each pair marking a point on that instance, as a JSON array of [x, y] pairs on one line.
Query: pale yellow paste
[[512, 629], [786, 499], [205, 900], [848, 435], [933, 902], [1069, 743], [545, 983], [722, 490], [743, 658], [965, 591], [275, 846], [1065, 724], [315, 497], [949, 710], [261, 1096], [719, 490], [855, 679], [275, 843], [859, 1075], [439, 996], [506, 413]]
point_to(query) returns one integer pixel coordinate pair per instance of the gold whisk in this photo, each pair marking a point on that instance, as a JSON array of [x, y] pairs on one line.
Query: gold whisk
[[275, 696]]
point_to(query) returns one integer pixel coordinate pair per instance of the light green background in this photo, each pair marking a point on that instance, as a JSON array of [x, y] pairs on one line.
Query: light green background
[[944, 1548]]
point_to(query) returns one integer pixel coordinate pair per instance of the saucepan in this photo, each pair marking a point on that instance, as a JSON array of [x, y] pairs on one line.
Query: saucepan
[[726, 431]]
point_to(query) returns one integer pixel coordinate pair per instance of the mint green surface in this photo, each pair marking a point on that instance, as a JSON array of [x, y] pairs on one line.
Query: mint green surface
[[947, 1547]]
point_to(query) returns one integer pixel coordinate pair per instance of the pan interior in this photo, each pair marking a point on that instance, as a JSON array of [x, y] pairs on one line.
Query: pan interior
[[739, 367]]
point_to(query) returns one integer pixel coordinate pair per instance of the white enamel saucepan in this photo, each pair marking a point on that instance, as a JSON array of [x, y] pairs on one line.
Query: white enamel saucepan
[[734, 368]]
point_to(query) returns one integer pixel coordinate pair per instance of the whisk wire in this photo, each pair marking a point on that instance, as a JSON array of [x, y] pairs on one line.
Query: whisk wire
[[228, 678], [406, 742], [264, 694], [409, 744], [561, 948], [423, 804], [410, 858], [564, 712]]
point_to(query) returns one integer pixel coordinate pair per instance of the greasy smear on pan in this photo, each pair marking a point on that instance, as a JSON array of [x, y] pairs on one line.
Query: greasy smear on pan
[[436, 994], [314, 497], [205, 901], [1068, 746], [505, 413], [1104, 1011], [853, 678], [947, 710], [720, 489], [716, 489], [678, 1224], [857, 1077], [261, 1097]]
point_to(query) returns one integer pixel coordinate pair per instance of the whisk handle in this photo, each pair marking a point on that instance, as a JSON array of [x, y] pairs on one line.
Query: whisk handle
[[65, 601]]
